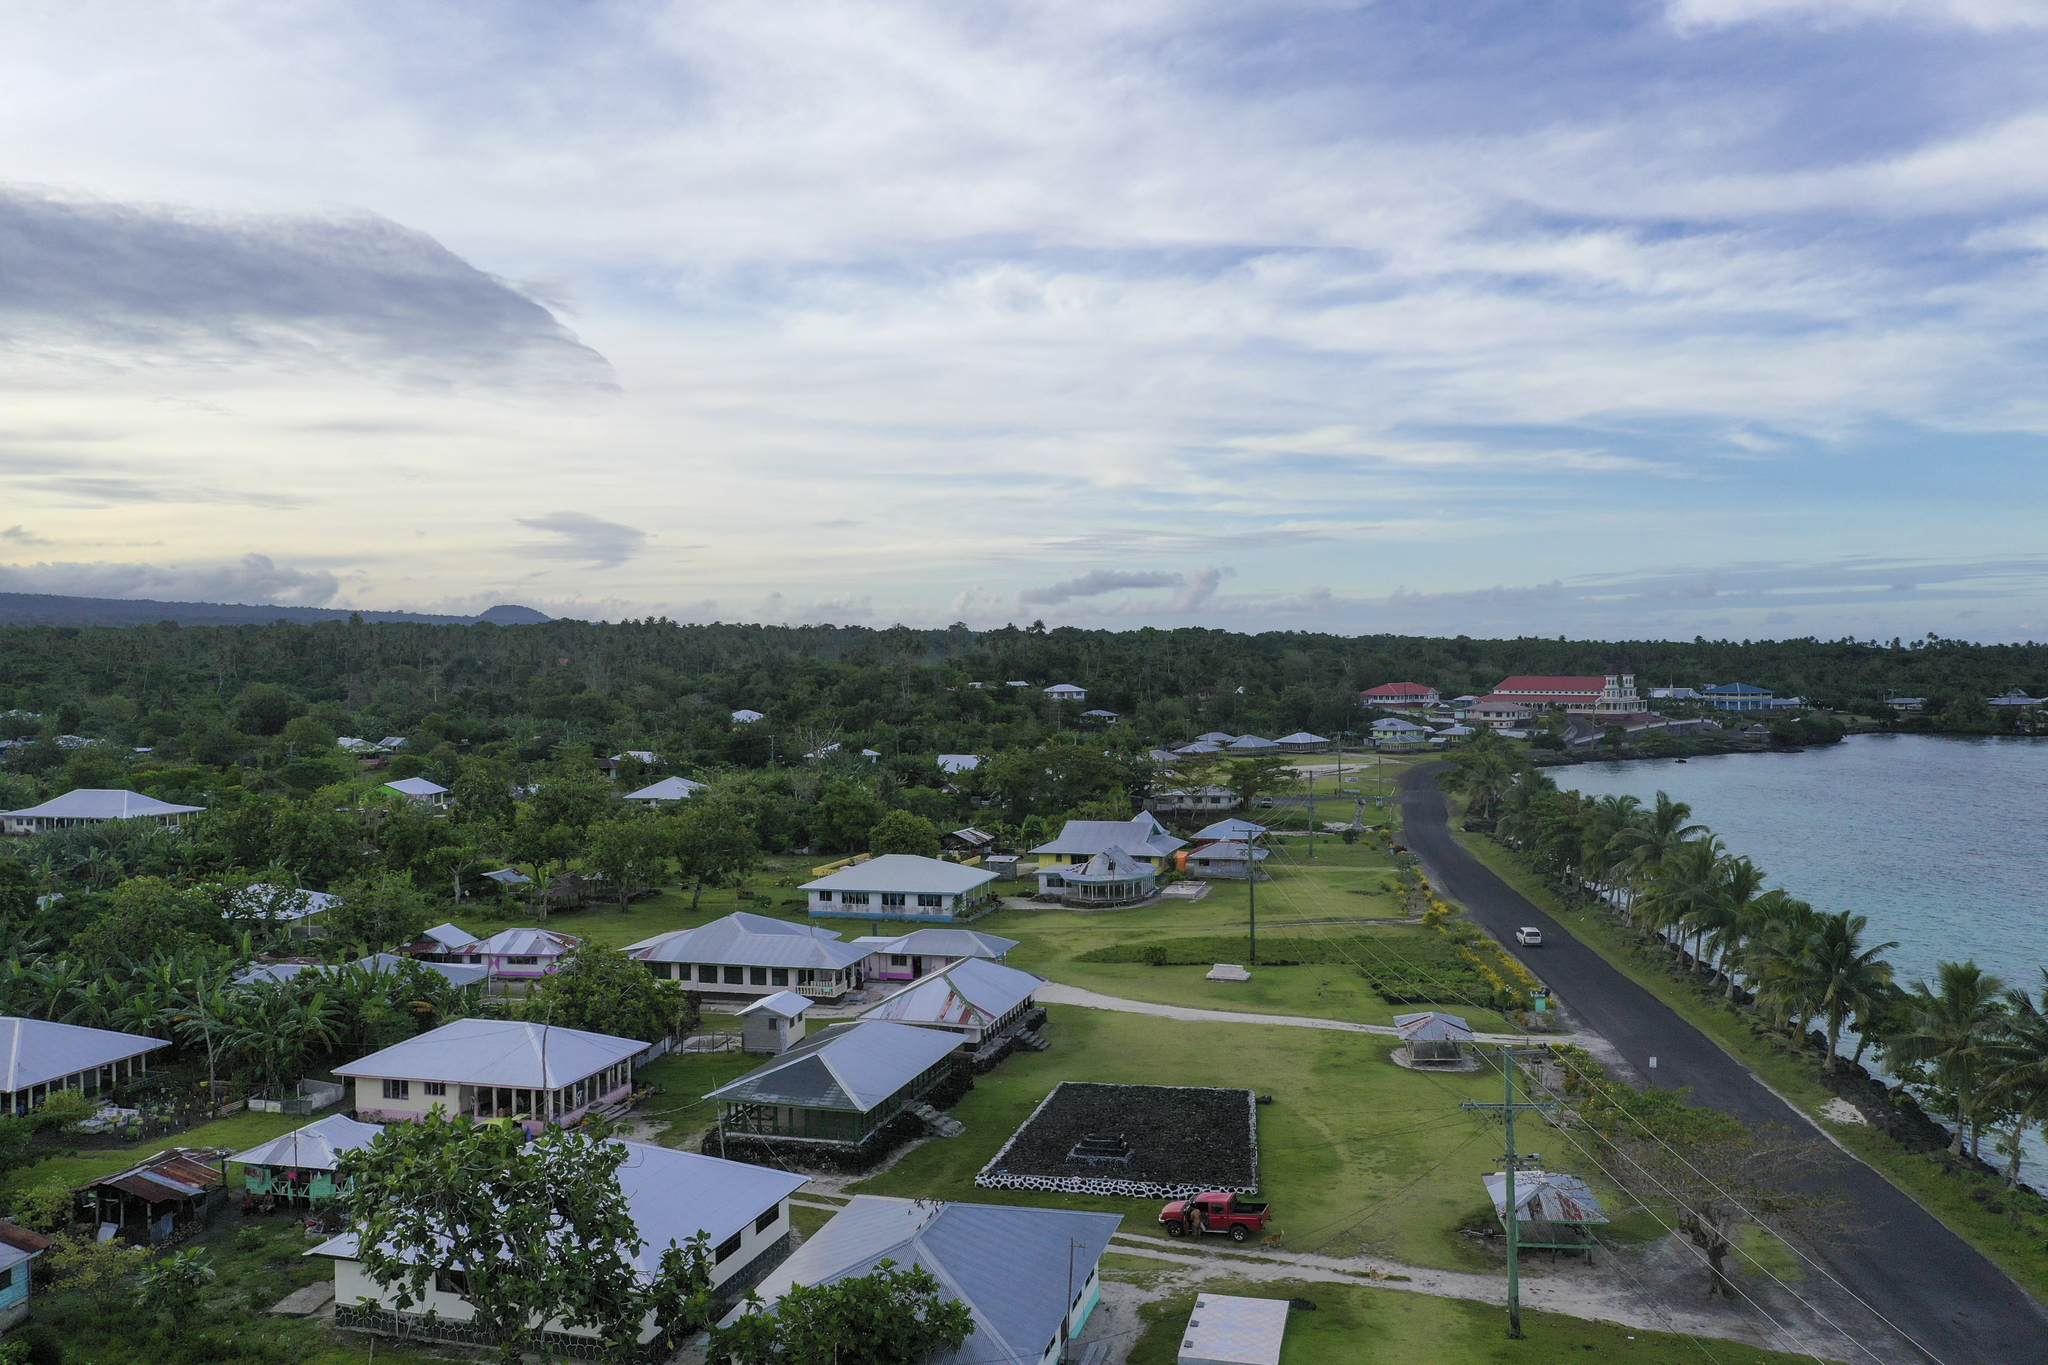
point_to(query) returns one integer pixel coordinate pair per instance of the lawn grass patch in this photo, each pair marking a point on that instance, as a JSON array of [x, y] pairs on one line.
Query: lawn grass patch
[[1354, 1152], [680, 1081], [237, 1133], [2020, 1249], [1355, 1322], [808, 1220]]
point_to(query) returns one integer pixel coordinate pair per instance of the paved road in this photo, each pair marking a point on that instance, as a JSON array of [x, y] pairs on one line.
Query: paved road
[[1956, 1305], [1052, 992]]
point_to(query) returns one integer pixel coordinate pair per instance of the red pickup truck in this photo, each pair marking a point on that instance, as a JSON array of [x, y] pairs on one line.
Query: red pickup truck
[[1215, 1212]]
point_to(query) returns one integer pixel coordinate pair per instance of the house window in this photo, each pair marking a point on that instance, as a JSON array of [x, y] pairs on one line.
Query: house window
[[757, 976], [707, 972], [7, 1278], [662, 970], [521, 961], [778, 976], [454, 1282], [761, 1224], [824, 895], [930, 902], [892, 898], [735, 976], [398, 1090], [434, 1087], [899, 959], [855, 898], [726, 1249]]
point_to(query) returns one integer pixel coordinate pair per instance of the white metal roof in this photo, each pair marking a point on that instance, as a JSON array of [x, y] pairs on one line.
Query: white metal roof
[[453, 936], [1252, 742], [1112, 864], [1141, 834], [747, 715], [33, 1051], [522, 943], [788, 1004], [1432, 1027], [959, 763], [415, 786], [862, 1064], [1301, 737], [937, 942], [1225, 1329], [744, 940], [971, 992], [99, 803], [282, 902], [671, 1196], [1232, 828], [1016, 1269], [316, 1147], [668, 789], [498, 1052], [904, 872]]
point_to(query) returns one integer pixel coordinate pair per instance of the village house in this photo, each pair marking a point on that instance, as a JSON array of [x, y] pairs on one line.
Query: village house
[[1066, 692], [38, 1056], [1302, 742], [92, 806], [639, 760], [1027, 1302], [1607, 699], [670, 1196], [1738, 697], [520, 954], [18, 1250], [1226, 849], [442, 943], [1100, 717], [419, 791], [668, 789], [495, 1068], [457, 974], [1191, 800], [1141, 837], [300, 1167], [753, 955], [148, 1202], [2014, 696], [840, 1086], [1500, 713], [1396, 696], [902, 886], [970, 842], [977, 1000], [906, 957], [952, 765], [746, 716], [1394, 730], [1112, 877], [774, 1023], [296, 909]]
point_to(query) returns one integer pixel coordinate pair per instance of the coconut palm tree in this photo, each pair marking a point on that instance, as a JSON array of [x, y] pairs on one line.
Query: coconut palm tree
[[1955, 1028], [1720, 925], [2017, 1075], [1684, 882], [1841, 976]]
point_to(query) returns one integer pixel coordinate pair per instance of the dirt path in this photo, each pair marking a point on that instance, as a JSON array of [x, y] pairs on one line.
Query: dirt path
[[1054, 993]]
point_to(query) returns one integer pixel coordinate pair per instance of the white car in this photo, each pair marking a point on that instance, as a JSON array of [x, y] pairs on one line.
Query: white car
[[1529, 937]]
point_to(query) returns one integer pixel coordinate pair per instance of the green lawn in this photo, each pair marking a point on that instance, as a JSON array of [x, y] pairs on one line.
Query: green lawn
[[1355, 1322], [683, 1079], [1355, 1152], [1343, 901], [2017, 1240], [237, 1133]]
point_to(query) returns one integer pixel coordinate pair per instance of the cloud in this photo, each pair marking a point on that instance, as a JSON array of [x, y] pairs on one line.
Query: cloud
[[255, 578], [578, 535], [135, 284], [1093, 584], [1981, 15], [20, 535]]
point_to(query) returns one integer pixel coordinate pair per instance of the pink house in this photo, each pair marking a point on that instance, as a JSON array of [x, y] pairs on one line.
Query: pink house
[[519, 954], [1394, 696]]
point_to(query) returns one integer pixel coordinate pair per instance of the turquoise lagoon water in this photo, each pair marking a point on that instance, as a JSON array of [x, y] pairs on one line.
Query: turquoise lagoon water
[[1941, 841]]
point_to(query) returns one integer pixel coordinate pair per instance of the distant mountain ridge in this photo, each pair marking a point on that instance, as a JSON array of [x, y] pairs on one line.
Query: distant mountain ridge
[[43, 609]]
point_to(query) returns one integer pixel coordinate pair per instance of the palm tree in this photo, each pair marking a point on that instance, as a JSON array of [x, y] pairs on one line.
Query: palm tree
[[1955, 1028], [1647, 842], [1843, 977], [2018, 1072], [1721, 924], [1684, 882], [1772, 955]]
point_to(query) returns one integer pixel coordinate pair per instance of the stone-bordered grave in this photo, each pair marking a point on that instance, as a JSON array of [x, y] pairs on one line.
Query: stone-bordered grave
[[1133, 1141]]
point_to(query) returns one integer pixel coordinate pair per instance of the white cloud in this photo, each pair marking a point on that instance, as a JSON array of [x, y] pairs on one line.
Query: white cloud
[[255, 578], [578, 535]]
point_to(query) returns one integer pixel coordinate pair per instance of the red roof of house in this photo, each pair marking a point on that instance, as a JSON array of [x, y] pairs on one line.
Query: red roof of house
[[21, 1239], [1528, 682], [1400, 689]]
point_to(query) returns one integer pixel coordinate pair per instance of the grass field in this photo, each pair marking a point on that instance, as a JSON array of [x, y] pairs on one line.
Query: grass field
[[1355, 1152], [236, 1133], [1353, 1323]]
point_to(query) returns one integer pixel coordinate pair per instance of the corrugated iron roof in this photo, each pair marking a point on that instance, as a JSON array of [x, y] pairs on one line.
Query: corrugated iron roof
[[33, 1051], [848, 1066], [1545, 1196]]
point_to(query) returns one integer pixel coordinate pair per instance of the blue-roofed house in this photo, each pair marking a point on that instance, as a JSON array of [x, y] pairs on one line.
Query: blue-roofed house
[[1030, 1278], [670, 1196], [839, 1087], [38, 1056], [1738, 697]]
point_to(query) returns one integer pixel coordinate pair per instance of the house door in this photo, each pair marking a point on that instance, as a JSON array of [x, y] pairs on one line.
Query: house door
[[917, 966]]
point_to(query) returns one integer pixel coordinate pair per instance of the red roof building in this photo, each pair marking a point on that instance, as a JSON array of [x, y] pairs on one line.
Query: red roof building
[[1395, 695], [1610, 696]]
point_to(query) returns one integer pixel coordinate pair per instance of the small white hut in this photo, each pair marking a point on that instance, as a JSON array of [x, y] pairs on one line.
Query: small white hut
[[774, 1023]]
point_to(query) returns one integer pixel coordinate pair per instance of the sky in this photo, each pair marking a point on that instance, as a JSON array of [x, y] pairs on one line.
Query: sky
[[1606, 320]]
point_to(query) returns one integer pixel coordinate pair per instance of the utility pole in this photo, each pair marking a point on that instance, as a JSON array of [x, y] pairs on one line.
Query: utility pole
[[1511, 1218], [1251, 890], [1311, 815]]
